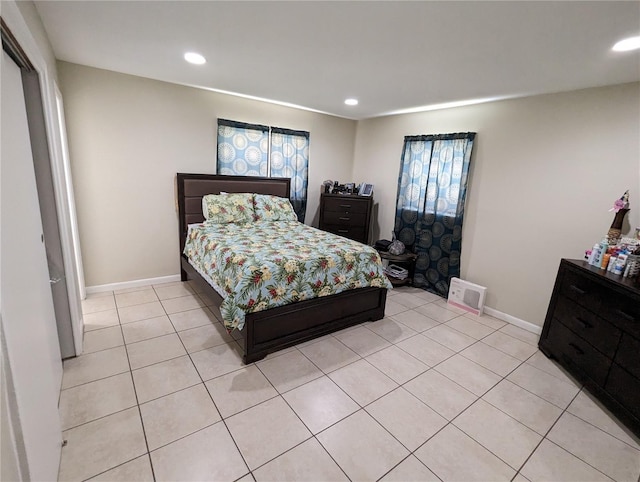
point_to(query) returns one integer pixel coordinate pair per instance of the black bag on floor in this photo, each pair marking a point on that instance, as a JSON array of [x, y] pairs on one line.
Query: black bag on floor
[[382, 245]]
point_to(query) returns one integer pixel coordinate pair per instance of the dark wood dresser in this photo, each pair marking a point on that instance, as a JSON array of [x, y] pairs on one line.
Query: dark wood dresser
[[346, 215], [592, 329]]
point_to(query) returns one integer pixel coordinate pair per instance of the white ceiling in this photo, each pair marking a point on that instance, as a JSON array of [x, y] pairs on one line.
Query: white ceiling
[[390, 55]]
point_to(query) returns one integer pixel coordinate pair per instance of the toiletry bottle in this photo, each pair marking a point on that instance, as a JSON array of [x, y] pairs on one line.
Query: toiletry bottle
[[619, 267], [604, 246], [595, 254], [621, 264]]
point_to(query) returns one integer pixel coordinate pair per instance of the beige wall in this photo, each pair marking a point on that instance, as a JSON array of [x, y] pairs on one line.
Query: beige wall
[[128, 136], [545, 172]]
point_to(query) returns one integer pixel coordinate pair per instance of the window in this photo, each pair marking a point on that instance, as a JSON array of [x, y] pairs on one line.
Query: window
[[432, 188], [257, 150]]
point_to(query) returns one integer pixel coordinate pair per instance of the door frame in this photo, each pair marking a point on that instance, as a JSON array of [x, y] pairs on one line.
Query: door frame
[[67, 221]]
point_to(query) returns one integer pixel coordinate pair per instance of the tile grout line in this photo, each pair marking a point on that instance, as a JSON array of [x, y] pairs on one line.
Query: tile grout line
[[450, 422], [360, 408], [412, 454], [314, 436], [533, 393], [129, 371], [222, 419], [135, 391], [279, 394], [545, 437], [363, 407], [637, 449], [177, 391], [459, 352], [521, 362]]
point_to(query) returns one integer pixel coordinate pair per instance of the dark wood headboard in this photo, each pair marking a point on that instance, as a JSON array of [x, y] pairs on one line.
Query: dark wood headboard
[[192, 187]]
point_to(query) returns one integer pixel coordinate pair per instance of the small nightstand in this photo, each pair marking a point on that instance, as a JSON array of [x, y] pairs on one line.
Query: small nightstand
[[406, 260], [346, 215]]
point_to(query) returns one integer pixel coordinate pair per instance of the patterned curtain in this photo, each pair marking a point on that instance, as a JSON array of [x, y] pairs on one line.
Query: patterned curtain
[[243, 149], [290, 158], [432, 188], [257, 150]]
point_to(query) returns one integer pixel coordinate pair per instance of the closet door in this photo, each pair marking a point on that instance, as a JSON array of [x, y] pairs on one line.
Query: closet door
[[28, 319]]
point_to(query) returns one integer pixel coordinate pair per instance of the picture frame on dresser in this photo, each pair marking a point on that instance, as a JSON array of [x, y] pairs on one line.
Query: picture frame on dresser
[[366, 189]]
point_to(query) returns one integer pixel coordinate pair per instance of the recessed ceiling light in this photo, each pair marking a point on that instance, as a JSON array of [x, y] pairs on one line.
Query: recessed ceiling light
[[631, 43], [194, 58], [351, 101]]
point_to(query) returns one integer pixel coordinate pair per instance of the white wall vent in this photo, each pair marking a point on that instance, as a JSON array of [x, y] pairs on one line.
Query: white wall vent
[[465, 295]]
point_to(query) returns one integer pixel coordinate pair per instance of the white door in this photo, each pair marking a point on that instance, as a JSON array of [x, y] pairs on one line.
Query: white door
[[28, 319]]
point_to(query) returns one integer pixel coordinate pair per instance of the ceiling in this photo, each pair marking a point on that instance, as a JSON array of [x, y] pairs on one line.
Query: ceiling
[[392, 56]]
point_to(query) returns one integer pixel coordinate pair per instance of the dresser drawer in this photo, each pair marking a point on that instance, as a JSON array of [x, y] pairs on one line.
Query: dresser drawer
[[570, 348], [627, 355], [346, 205], [625, 388], [584, 295], [342, 219], [600, 333], [622, 311], [351, 232], [581, 290]]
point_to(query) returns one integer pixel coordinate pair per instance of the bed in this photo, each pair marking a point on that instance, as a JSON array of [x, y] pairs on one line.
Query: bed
[[280, 327]]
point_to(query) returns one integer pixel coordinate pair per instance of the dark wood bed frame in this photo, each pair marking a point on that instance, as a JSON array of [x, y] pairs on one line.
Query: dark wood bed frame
[[277, 328]]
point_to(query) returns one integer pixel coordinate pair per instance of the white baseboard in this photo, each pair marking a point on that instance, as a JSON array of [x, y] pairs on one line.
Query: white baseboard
[[132, 284], [525, 325]]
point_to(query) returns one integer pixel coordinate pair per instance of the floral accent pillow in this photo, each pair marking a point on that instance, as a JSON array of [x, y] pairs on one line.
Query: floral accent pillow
[[273, 208], [228, 208]]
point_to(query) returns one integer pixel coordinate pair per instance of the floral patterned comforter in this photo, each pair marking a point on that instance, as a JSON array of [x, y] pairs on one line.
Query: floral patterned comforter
[[267, 264]]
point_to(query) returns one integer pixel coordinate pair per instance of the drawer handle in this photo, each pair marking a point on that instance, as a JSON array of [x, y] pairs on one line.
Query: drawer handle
[[577, 290], [583, 323], [345, 205], [625, 315], [343, 230], [576, 348], [344, 219]]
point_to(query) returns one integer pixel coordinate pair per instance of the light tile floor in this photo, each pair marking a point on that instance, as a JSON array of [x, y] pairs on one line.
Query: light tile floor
[[428, 393]]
